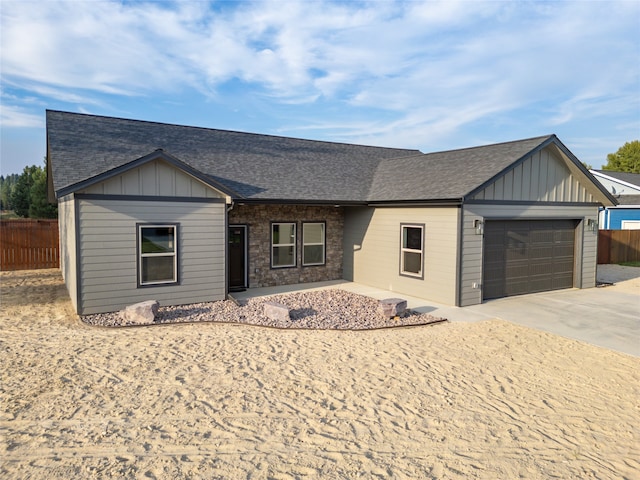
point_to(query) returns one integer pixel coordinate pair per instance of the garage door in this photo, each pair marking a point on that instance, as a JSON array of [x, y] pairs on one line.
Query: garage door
[[527, 256]]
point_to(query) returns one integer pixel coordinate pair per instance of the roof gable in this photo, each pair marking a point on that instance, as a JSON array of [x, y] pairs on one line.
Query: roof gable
[[157, 174], [545, 175], [153, 157], [618, 183]]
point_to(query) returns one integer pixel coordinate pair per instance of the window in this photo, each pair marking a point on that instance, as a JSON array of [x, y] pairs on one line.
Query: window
[[411, 251], [313, 243], [283, 245], [157, 254]]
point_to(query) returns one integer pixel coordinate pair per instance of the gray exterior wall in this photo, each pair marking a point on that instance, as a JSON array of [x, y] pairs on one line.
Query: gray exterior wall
[[586, 250], [107, 261], [67, 228], [372, 250], [258, 218], [543, 178]]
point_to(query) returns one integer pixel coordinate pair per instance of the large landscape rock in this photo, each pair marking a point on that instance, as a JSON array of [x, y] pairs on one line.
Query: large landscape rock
[[141, 313], [393, 307], [276, 312]]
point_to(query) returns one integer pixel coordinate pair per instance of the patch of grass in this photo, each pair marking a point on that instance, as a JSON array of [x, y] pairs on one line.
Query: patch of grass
[[630, 264], [7, 215]]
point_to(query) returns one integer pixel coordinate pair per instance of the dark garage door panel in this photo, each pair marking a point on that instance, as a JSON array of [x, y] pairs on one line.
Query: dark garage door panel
[[527, 256]]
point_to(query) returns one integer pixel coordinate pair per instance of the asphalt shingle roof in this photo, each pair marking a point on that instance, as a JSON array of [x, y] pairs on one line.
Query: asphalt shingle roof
[[632, 178], [628, 199], [255, 166], [446, 175], [264, 167]]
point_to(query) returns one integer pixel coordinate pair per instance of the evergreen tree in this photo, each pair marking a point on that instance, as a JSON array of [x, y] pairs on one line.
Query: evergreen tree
[[21, 194], [28, 196], [6, 187], [39, 206]]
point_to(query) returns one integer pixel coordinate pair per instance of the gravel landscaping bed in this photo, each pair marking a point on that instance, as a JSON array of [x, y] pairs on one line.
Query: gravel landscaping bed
[[322, 310]]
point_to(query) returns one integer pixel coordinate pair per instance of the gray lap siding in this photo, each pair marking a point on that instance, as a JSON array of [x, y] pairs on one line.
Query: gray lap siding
[[259, 218], [107, 246]]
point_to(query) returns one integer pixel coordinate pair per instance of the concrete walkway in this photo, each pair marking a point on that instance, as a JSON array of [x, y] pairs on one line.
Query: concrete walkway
[[599, 316]]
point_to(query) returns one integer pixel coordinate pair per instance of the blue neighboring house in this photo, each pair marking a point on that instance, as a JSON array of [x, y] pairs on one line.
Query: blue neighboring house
[[625, 187]]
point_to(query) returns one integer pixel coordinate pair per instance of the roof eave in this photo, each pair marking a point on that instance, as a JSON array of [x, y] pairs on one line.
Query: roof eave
[[298, 201], [435, 202], [578, 164], [595, 173]]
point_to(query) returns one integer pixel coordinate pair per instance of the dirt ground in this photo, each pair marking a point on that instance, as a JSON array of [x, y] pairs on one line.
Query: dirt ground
[[456, 400]]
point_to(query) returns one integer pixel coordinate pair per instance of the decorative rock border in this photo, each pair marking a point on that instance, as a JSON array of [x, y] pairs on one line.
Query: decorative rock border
[[320, 309]]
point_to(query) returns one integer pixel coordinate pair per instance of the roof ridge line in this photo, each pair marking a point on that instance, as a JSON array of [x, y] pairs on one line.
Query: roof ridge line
[[230, 131], [540, 137]]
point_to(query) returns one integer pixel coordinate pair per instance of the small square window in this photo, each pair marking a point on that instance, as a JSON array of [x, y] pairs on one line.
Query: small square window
[[313, 243], [157, 254], [412, 250], [283, 245]]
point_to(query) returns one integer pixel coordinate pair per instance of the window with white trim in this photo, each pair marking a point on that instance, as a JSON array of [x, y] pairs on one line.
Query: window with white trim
[[313, 243], [283, 245], [412, 250], [157, 254]]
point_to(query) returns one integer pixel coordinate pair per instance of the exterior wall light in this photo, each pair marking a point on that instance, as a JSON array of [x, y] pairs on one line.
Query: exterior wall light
[[592, 224], [478, 225]]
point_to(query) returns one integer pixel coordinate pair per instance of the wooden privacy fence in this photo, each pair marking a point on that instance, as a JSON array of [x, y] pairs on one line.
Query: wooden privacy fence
[[29, 244], [616, 246]]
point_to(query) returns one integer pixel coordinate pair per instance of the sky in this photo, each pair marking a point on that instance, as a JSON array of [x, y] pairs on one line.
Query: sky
[[427, 75]]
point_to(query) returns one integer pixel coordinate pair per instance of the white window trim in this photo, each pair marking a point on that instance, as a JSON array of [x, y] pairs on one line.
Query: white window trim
[[403, 249], [173, 254], [292, 244], [310, 244], [630, 224]]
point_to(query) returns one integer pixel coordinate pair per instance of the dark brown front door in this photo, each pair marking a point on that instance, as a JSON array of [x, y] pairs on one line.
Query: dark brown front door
[[237, 257]]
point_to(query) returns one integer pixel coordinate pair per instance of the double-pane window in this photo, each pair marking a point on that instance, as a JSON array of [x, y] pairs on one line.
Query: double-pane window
[[313, 243], [157, 254], [412, 250], [283, 245]]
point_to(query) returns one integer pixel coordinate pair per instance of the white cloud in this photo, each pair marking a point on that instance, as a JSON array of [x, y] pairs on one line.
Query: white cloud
[[12, 117], [426, 70]]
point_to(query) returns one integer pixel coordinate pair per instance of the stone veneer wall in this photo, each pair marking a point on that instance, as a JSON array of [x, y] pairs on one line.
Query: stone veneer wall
[[258, 218]]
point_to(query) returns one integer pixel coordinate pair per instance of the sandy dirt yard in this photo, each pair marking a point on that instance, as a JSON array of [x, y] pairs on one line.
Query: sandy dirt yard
[[488, 400]]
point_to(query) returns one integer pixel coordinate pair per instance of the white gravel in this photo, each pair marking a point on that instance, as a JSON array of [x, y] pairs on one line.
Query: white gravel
[[322, 310]]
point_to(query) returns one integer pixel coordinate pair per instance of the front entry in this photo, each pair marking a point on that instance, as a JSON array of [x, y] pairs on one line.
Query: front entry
[[237, 257]]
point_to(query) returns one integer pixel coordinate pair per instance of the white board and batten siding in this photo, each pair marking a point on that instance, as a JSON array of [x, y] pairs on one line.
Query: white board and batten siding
[[372, 242], [541, 178]]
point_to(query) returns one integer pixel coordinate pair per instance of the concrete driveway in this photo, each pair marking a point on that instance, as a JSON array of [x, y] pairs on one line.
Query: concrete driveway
[[600, 316], [608, 317]]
